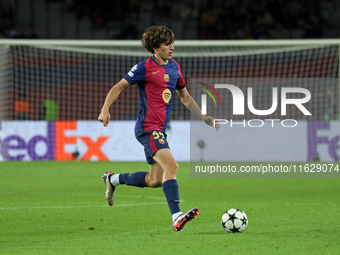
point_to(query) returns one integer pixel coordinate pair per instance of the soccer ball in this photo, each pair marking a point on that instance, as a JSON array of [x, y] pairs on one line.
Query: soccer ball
[[234, 220]]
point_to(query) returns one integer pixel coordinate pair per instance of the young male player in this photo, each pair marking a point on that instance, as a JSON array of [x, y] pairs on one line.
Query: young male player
[[157, 78]]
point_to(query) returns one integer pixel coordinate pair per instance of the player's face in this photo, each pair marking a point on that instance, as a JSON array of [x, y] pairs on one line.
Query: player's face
[[165, 51]]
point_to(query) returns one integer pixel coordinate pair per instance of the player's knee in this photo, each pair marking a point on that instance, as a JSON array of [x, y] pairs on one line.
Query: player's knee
[[174, 166], [156, 184], [170, 170], [153, 181]]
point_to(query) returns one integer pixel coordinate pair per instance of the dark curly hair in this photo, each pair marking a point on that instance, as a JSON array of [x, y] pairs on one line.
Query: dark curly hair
[[154, 36]]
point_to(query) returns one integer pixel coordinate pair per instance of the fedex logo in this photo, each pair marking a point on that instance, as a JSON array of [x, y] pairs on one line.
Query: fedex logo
[[62, 140], [322, 136], [20, 145]]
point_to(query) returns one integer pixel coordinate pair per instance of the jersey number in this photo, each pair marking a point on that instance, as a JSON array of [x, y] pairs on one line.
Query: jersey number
[[157, 135]]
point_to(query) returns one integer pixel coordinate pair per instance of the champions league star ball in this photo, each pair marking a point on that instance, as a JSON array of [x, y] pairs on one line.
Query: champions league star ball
[[234, 221]]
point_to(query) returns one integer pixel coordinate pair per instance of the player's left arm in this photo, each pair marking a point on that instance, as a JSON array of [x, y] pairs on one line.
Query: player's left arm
[[191, 104]]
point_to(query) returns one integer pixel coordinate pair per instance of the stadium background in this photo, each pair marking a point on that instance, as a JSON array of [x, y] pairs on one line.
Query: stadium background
[[57, 207], [78, 78], [201, 19], [90, 19]]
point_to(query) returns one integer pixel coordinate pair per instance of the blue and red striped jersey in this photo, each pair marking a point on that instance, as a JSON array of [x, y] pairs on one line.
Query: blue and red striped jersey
[[156, 84]]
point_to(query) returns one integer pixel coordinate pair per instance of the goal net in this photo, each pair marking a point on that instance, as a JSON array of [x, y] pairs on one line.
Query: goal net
[[67, 81], [78, 75]]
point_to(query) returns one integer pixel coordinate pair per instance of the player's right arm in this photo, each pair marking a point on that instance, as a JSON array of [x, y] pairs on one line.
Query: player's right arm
[[113, 94]]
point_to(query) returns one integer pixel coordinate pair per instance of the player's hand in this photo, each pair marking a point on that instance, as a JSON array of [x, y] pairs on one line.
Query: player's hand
[[104, 117], [210, 121]]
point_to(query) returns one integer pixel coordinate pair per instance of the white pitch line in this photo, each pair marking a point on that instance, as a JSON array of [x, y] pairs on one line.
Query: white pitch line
[[86, 206], [80, 194]]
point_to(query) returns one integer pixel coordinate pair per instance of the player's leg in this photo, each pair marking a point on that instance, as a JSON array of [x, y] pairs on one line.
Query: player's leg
[[167, 162], [169, 183], [138, 179], [154, 178], [169, 165], [151, 141]]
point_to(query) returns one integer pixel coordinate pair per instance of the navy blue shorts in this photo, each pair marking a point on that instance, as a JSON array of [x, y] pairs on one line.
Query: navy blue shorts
[[152, 141]]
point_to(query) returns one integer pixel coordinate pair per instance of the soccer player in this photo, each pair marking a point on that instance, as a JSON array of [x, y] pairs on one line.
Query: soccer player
[[157, 78]]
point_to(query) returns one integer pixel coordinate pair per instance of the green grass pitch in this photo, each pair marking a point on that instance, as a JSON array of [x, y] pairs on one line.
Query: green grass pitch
[[59, 208]]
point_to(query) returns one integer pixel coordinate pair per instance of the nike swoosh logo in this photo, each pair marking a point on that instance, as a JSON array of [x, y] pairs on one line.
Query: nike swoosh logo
[[155, 72]]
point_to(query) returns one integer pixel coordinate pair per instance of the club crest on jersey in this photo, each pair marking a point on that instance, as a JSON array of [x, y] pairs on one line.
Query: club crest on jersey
[[161, 141], [166, 95], [166, 77]]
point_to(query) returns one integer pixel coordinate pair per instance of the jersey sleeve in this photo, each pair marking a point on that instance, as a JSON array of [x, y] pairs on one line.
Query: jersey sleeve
[[136, 74], [180, 83]]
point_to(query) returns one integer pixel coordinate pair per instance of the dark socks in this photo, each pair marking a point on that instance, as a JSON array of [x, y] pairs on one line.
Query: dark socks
[[133, 179], [170, 189]]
